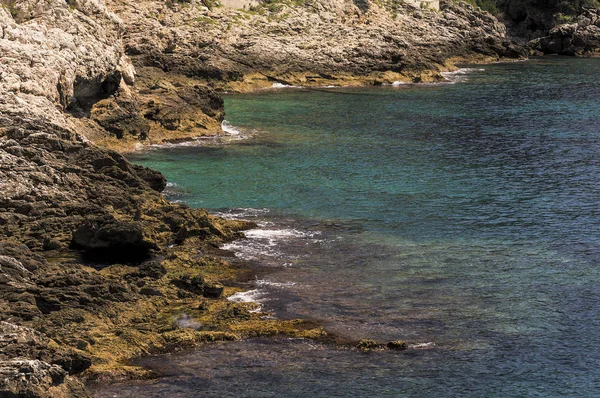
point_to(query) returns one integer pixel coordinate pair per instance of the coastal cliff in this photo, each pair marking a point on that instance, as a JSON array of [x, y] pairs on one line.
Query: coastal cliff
[[96, 267], [552, 26]]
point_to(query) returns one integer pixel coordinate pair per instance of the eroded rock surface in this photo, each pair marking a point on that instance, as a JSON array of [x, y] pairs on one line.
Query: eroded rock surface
[[318, 42], [34, 378]]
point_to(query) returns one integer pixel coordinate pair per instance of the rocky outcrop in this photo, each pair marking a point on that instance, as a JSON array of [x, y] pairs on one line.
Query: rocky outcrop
[[579, 38], [34, 378], [30, 366], [553, 26], [325, 42], [64, 53]]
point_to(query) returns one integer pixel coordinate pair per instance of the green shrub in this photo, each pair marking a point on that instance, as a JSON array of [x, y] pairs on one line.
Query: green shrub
[[485, 5]]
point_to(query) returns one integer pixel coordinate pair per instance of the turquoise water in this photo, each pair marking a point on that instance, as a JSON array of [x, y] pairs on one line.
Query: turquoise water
[[461, 217]]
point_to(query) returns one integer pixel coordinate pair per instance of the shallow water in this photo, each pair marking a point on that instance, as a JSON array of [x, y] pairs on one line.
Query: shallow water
[[463, 215]]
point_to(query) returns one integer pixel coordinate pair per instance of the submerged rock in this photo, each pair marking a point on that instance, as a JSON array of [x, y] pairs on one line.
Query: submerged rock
[[397, 345], [367, 344]]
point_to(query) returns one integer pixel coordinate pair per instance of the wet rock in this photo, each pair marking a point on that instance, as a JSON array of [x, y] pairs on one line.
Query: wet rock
[[194, 284], [366, 344], [213, 290], [155, 179], [397, 345]]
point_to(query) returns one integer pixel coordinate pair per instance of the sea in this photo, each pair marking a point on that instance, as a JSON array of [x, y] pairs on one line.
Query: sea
[[462, 217]]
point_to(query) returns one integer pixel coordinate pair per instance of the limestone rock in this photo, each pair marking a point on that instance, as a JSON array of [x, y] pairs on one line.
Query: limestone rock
[[318, 42], [37, 379]]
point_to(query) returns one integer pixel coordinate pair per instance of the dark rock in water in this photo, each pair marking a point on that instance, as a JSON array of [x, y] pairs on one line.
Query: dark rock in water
[[397, 345], [366, 344]]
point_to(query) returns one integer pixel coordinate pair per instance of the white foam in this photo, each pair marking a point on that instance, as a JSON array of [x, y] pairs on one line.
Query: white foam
[[250, 296], [242, 213], [171, 184], [248, 250], [399, 83], [460, 74], [463, 71], [422, 346], [193, 142], [263, 245], [263, 282], [229, 129], [281, 85], [274, 234], [186, 321]]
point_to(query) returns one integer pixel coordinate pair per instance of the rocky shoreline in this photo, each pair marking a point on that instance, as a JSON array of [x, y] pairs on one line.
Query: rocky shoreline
[[96, 267]]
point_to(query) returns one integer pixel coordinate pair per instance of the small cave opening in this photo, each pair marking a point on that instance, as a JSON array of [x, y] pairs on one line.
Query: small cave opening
[[87, 92], [101, 258]]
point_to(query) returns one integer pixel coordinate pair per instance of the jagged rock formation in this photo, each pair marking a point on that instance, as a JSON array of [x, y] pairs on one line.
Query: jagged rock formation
[[579, 38], [319, 43], [35, 378], [29, 365], [553, 26]]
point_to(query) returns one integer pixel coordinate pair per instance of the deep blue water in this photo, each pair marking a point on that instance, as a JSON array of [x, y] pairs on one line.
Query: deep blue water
[[463, 215]]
